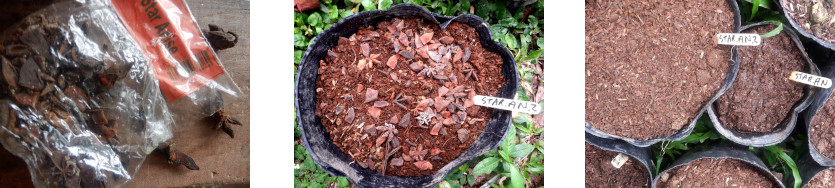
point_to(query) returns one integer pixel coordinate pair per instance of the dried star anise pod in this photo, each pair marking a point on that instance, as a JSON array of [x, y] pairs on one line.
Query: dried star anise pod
[[223, 121], [177, 157], [220, 39]]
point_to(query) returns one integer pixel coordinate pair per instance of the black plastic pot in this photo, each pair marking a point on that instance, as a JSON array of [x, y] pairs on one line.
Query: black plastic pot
[[802, 31], [819, 99], [332, 159], [721, 151], [642, 154], [685, 131], [808, 169], [788, 123]]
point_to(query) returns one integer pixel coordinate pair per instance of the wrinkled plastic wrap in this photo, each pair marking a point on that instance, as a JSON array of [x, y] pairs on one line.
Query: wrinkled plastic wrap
[[78, 98]]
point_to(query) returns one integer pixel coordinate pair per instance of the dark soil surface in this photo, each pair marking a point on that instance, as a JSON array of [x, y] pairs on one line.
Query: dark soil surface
[[825, 178], [762, 95], [397, 97], [708, 172], [815, 16], [648, 73], [822, 129], [601, 173]]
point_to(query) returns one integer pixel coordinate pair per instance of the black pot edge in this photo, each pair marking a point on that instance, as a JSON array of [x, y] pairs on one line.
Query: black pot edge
[[802, 31], [642, 154], [788, 123], [719, 152], [440, 174], [685, 131]]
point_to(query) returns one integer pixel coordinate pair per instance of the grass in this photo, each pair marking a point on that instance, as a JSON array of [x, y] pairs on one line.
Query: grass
[[520, 158]]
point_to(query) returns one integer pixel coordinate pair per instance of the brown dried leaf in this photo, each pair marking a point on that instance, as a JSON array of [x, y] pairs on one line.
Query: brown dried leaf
[[406, 157], [365, 49], [435, 151], [466, 56], [371, 130], [434, 56], [9, 74], [380, 104], [435, 129], [333, 55], [397, 162], [423, 104], [418, 44], [408, 54], [426, 37], [405, 120], [441, 103], [463, 135], [449, 121], [446, 40], [361, 64], [374, 112], [443, 91], [394, 76], [350, 117], [396, 46], [423, 165], [392, 62], [370, 95], [446, 58], [392, 29], [423, 52], [417, 66], [404, 39]]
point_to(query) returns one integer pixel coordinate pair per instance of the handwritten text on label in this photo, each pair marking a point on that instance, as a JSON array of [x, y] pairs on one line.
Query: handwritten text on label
[[740, 39], [810, 79], [619, 160], [508, 104]]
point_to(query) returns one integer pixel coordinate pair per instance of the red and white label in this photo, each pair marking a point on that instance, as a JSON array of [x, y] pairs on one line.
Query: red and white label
[[182, 60]]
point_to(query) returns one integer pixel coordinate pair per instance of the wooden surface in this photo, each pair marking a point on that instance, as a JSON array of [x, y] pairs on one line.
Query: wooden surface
[[222, 160]]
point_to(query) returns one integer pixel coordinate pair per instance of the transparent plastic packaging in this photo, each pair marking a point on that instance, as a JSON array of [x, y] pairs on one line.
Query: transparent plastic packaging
[[81, 99]]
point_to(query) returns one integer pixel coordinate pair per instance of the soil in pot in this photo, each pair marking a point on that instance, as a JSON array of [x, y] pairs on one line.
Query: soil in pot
[[762, 95], [601, 173], [710, 172], [649, 73], [817, 17], [824, 178], [822, 129], [397, 96]]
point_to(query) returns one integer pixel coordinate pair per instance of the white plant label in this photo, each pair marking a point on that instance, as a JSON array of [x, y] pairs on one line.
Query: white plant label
[[739, 39], [810, 79], [619, 160], [507, 104]]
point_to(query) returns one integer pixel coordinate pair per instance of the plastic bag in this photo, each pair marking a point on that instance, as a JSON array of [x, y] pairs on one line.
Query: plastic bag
[[191, 77], [85, 89], [78, 98]]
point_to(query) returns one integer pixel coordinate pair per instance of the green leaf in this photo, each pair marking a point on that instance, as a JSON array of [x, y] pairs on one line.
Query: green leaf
[[346, 13], [483, 9], [522, 150], [334, 12], [754, 9], [297, 56], [368, 5], [773, 32], [788, 160], [299, 40], [342, 182], [508, 22], [533, 55], [470, 180], [314, 19], [764, 4], [384, 4], [485, 166], [444, 184], [510, 41], [516, 179], [540, 42]]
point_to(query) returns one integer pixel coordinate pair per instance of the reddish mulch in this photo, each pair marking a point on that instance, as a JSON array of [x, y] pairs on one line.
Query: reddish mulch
[[815, 16], [648, 73], [601, 173], [762, 95], [375, 84], [709, 172], [825, 178]]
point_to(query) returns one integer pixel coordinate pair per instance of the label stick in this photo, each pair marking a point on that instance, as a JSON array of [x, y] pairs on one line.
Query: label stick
[[619, 160], [739, 39], [810, 79], [507, 104]]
